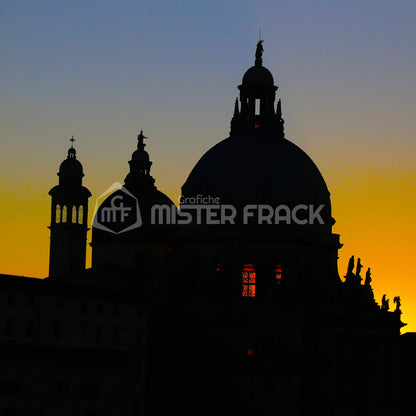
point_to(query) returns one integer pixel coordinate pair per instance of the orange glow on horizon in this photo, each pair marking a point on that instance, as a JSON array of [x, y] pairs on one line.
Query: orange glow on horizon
[[373, 213]]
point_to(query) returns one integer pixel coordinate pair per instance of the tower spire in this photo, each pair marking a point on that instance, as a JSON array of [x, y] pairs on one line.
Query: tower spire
[[236, 110], [279, 120]]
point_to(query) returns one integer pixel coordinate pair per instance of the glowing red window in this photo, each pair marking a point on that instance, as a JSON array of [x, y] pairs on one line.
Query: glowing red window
[[278, 274], [249, 281]]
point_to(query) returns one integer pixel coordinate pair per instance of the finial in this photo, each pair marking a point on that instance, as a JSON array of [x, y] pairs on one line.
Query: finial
[[279, 109], [71, 151], [236, 110], [398, 303], [358, 269], [259, 53], [367, 277], [281, 122]]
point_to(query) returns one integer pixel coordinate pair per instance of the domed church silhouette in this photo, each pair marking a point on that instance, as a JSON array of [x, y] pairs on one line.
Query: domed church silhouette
[[230, 304]]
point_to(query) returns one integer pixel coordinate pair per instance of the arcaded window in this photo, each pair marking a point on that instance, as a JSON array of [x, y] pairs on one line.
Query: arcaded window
[[58, 214], [80, 214], [249, 281], [64, 214]]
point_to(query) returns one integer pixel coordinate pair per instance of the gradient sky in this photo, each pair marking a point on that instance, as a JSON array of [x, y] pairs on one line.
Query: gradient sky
[[102, 69]]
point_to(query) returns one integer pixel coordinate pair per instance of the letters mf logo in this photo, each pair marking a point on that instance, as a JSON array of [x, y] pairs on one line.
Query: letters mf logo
[[117, 210]]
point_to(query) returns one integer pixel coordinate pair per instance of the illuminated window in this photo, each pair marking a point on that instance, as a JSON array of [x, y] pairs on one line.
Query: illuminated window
[[278, 274], [74, 215], [58, 214], [80, 214], [251, 351], [257, 107], [64, 214], [249, 281]]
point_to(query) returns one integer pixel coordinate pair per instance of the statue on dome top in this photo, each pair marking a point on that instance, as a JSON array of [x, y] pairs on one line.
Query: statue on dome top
[[259, 53]]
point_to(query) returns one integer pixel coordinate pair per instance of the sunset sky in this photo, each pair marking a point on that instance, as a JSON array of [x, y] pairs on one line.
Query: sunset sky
[[101, 70]]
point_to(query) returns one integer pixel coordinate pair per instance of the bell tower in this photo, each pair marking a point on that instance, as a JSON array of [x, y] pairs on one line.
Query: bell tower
[[69, 215]]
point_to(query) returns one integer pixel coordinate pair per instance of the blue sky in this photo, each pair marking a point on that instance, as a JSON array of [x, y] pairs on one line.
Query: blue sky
[[101, 70]]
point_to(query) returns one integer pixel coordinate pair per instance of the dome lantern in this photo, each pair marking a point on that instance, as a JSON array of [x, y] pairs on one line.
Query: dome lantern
[[140, 164], [257, 96]]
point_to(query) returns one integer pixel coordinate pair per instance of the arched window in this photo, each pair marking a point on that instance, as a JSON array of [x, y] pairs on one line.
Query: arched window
[[74, 214], [58, 214], [80, 214], [278, 274], [64, 213], [251, 351], [249, 281]]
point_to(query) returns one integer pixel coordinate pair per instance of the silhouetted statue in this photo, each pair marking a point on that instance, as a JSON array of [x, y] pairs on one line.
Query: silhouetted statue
[[140, 138], [259, 53], [358, 270], [384, 303], [350, 266], [398, 303], [367, 277]]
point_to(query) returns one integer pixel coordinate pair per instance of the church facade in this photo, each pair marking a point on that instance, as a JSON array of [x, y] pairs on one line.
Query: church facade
[[231, 303]]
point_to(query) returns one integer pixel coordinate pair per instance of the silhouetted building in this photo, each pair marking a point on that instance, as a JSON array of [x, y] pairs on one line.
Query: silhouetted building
[[69, 216], [233, 303]]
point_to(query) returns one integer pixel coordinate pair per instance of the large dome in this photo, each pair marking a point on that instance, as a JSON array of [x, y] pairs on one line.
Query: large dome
[[71, 166], [71, 171], [258, 76], [258, 168]]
